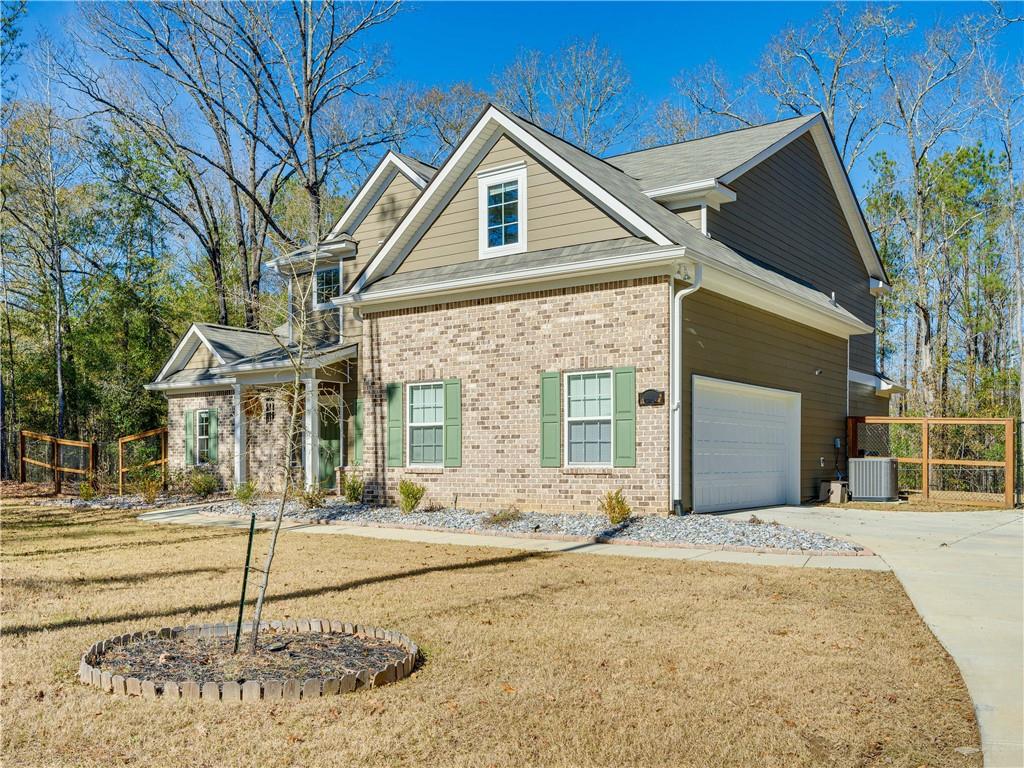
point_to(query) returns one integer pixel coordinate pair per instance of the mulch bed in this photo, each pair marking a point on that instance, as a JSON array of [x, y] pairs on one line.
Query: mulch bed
[[280, 656]]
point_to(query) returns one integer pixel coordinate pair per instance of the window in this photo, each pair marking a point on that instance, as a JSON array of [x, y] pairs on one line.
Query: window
[[588, 419], [202, 437], [328, 286], [502, 211], [426, 424], [268, 409]]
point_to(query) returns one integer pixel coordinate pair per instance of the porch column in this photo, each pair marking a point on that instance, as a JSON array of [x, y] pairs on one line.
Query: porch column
[[311, 434], [241, 454]]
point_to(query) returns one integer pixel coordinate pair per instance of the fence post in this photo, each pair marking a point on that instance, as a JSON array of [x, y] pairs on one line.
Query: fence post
[[94, 455], [163, 455], [925, 459], [1009, 481], [851, 437], [21, 455], [55, 453], [120, 467]]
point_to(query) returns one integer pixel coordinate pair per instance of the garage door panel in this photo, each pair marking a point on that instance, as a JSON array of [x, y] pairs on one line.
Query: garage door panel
[[745, 446]]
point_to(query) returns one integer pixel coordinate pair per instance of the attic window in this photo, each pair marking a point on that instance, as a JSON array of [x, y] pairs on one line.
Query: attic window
[[328, 286], [502, 211]]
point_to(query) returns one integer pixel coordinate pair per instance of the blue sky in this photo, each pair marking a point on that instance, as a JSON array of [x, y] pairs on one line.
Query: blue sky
[[440, 43]]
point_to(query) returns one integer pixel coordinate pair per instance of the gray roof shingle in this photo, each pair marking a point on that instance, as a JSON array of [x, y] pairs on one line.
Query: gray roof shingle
[[233, 343], [708, 158], [424, 170]]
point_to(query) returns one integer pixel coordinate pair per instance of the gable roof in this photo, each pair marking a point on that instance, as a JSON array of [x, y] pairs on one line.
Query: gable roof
[[369, 193], [226, 343], [711, 157]]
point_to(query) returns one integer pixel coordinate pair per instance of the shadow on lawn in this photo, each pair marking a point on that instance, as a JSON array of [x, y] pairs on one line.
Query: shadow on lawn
[[122, 544], [28, 629], [131, 578]]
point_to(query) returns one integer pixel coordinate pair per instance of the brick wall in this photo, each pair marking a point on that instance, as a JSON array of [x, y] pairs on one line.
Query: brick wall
[[498, 348], [223, 401], [267, 438]]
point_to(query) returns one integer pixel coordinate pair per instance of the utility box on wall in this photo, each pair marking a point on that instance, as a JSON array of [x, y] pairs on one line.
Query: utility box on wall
[[874, 479]]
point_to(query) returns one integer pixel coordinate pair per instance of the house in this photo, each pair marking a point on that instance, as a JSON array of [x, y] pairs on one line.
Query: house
[[529, 324]]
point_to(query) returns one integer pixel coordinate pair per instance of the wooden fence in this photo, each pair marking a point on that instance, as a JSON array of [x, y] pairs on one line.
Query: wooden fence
[[53, 464], [122, 470], [918, 453]]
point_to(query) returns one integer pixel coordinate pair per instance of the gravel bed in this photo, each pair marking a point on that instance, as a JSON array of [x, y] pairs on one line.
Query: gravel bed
[[280, 656], [698, 530]]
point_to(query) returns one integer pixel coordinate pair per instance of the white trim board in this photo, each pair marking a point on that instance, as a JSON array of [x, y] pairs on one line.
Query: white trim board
[[389, 166], [491, 120]]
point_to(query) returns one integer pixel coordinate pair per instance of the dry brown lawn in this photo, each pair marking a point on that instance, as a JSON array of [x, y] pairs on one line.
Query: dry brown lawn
[[530, 659]]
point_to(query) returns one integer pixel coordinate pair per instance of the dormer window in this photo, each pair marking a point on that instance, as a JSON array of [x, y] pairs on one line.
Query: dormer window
[[328, 286], [502, 211]]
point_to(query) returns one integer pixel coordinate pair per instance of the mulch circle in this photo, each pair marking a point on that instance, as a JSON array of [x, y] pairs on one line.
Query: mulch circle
[[296, 659]]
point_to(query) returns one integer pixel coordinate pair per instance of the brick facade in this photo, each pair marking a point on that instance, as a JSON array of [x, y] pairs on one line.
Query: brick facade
[[223, 401], [498, 348]]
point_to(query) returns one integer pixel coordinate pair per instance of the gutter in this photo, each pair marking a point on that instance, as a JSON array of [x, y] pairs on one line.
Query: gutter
[[676, 384], [606, 264]]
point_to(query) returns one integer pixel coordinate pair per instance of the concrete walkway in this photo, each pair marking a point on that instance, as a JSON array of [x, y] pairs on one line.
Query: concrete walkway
[[964, 571], [195, 516]]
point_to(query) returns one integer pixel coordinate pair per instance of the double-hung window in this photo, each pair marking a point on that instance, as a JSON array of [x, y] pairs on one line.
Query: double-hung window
[[502, 211], [588, 419], [426, 425], [327, 286], [202, 437]]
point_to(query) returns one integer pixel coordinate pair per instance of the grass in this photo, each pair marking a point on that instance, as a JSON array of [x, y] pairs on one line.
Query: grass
[[530, 658], [914, 504]]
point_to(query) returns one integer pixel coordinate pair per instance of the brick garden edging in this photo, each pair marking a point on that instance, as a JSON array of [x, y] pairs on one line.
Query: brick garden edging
[[250, 690]]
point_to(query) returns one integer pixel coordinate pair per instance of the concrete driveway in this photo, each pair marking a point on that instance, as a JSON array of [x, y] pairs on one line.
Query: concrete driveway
[[964, 571]]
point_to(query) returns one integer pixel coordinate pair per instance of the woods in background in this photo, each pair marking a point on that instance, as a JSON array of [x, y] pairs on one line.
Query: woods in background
[[154, 161]]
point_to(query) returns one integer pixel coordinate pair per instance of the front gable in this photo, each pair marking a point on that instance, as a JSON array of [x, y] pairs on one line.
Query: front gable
[[555, 214], [395, 199], [193, 353]]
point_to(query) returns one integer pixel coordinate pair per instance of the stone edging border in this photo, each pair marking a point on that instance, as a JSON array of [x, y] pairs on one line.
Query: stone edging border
[[863, 552], [250, 690]]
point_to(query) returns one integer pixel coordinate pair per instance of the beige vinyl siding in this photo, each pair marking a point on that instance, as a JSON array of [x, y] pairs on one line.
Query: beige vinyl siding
[[691, 216], [727, 340], [556, 215], [323, 325], [201, 359], [864, 401], [786, 215], [373, 230]]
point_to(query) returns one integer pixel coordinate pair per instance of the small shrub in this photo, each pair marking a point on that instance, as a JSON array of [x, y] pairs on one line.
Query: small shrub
[[615, 507], [202, 482], [148, 486], [313, 498], [755, 520], [87, 489], [353, 488], [410, 495], [503, 516], [247, 492]]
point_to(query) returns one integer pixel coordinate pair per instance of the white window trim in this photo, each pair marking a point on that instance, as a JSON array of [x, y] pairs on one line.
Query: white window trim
[[409, 425], [329, 304], [487, 179], [566, 420], [198, 462]]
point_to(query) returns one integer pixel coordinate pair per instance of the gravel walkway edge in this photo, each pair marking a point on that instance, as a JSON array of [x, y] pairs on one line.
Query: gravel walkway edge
[[862, 552]]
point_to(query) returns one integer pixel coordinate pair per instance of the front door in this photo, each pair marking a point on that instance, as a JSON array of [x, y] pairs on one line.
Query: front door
[[330, 447]]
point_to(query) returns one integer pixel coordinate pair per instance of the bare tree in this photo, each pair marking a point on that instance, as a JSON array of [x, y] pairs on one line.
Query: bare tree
[[582, 93], [446, 114]]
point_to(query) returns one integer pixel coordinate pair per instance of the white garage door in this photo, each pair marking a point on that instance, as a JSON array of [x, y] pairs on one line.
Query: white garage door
[[746, 446]]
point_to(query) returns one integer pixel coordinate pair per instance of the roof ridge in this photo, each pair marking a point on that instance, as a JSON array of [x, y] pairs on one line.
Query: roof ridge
[[712, 135], [404, 156], [237, 328]]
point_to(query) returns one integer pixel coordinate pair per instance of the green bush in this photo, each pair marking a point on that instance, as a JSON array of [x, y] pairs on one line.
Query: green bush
[[353, 488], [86, 489], [148, 485], [503, 516], [247, 492], [410, 495], [615, 507], [313, 498], [202, 482]]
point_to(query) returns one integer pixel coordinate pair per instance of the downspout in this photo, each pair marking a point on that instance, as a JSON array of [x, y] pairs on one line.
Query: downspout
[[676, 384]]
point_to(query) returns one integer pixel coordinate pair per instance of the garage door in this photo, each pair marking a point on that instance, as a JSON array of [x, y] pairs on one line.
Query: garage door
[[746, 446]]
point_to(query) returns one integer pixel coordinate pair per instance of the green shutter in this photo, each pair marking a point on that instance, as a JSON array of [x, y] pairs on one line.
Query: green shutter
[[190, 438], [357, 438], [213, 435], [624, 392], [550, 419], [396, 419], [453, 423]]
